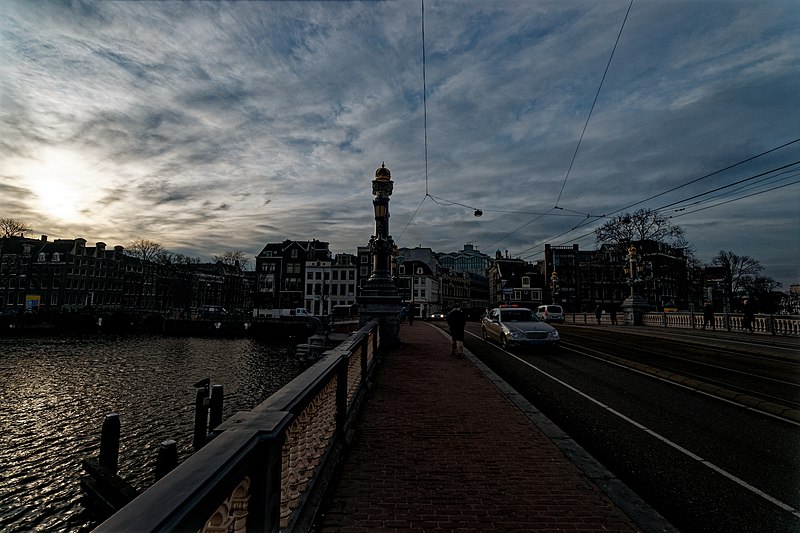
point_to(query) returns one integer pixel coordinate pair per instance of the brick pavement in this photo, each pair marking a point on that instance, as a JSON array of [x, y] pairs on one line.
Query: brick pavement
[[440, 448]]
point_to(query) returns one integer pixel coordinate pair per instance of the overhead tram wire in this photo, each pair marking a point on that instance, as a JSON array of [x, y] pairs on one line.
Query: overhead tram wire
[[580, 139], [424, 120], [737, 199], [706, 176], [683, 213], [745, 180], [748, 187], [730, 185], [596, 96]]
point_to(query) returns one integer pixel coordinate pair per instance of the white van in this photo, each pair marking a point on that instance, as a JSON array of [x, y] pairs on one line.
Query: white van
[[551, 313]]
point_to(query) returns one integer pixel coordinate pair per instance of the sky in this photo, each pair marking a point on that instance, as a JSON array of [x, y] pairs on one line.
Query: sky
[[215, 126]]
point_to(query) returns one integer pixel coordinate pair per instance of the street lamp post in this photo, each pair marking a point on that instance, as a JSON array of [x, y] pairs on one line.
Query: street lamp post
[[634, 307], [379, 297]]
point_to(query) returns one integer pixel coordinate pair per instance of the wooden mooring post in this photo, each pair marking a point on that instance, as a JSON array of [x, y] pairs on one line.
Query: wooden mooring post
[[105, 491], [167, 458], [207, 399]]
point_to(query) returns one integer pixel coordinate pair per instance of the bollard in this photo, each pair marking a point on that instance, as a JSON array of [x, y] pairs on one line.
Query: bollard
[[200, 418], [167, 458], [216, 407], [109, 443]]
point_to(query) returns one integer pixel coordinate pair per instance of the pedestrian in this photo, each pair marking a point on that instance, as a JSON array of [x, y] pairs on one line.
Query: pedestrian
[[749, 316], [411, 312], [598, 313], [613, 312], [403, 313], [708, 316], [456, 320]]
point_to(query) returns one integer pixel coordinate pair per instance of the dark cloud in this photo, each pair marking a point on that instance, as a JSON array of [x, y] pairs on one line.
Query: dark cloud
[[259, 121]]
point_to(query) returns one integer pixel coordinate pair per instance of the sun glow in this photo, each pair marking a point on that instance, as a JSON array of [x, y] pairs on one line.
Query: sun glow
[[62, 183]]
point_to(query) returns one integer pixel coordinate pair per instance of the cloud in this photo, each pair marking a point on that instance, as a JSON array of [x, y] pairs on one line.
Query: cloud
[[205, 124]]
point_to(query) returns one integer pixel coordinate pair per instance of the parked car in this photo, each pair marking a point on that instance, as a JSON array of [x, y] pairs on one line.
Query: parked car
[[518, 326], [551, 313]]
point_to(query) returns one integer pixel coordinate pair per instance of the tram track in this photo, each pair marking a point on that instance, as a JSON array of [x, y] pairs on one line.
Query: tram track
[[729, 384]]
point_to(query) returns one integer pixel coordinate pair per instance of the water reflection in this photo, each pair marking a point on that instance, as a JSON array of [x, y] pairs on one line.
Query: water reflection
[[55, 392]]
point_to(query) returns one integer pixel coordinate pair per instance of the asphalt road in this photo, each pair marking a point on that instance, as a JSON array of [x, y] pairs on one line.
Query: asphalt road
[[699, 426]]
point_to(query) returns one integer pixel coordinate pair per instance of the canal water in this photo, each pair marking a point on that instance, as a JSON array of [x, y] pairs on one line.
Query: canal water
[[56, 391]]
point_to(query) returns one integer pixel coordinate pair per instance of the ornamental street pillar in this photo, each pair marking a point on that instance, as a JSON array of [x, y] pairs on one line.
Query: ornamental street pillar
[[379, 297], [634, 307]]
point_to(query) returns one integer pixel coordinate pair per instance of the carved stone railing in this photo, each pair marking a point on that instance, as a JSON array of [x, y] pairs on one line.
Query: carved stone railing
[[784, 325], [266, 469]]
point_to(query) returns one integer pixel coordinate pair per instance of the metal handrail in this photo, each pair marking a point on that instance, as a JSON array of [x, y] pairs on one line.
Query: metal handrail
[[265, 469]]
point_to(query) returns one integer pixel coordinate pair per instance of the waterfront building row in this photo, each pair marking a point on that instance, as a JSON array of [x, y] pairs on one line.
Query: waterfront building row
[[66, 275]]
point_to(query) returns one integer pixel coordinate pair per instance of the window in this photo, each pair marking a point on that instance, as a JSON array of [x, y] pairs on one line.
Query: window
[[526, 281], [364, 258], [42, 257], [294, 253]]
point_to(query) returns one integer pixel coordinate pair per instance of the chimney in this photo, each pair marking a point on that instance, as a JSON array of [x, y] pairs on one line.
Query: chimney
[[44, 238]]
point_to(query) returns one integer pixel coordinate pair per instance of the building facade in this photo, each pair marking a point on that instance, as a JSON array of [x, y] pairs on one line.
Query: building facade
[[280, 272], [330, 284]]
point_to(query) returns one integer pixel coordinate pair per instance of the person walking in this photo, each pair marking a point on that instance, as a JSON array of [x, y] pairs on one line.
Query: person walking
[[749, 315], [613, 313], [411, 313], [456, 320], [598, 313], [708, 316]]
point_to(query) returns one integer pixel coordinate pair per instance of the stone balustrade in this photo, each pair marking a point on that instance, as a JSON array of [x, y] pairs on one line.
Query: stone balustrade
[[783, 325]]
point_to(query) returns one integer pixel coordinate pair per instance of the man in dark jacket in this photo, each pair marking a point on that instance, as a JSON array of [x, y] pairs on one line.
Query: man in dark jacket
[[456, 320]]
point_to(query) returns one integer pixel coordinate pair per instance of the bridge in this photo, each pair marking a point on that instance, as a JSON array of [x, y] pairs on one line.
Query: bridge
[[385, 438]]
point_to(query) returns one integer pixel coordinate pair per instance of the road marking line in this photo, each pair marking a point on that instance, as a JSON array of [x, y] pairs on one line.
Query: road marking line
[[665, 440]]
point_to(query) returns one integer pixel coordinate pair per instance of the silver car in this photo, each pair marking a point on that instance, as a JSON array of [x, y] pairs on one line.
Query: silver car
[[517, 326]]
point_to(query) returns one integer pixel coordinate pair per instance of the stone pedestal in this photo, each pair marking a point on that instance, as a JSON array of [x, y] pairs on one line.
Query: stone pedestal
[[634, 308], [379, 299], [389, 315]]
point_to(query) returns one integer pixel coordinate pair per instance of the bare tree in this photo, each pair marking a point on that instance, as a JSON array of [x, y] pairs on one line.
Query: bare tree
[[231, 257], [644, 224], [739, 271], [11, 227], [146, 249], [179, 259]]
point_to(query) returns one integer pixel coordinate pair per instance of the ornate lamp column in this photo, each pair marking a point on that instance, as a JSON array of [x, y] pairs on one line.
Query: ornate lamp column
[[379, 296], [634, 307]]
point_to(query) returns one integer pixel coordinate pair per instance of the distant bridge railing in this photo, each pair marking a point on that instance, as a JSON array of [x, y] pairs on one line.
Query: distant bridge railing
[[266, 469], [784, 325]]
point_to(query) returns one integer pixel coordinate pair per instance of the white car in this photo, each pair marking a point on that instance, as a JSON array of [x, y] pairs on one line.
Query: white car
[[518, 326], [551, 313]]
